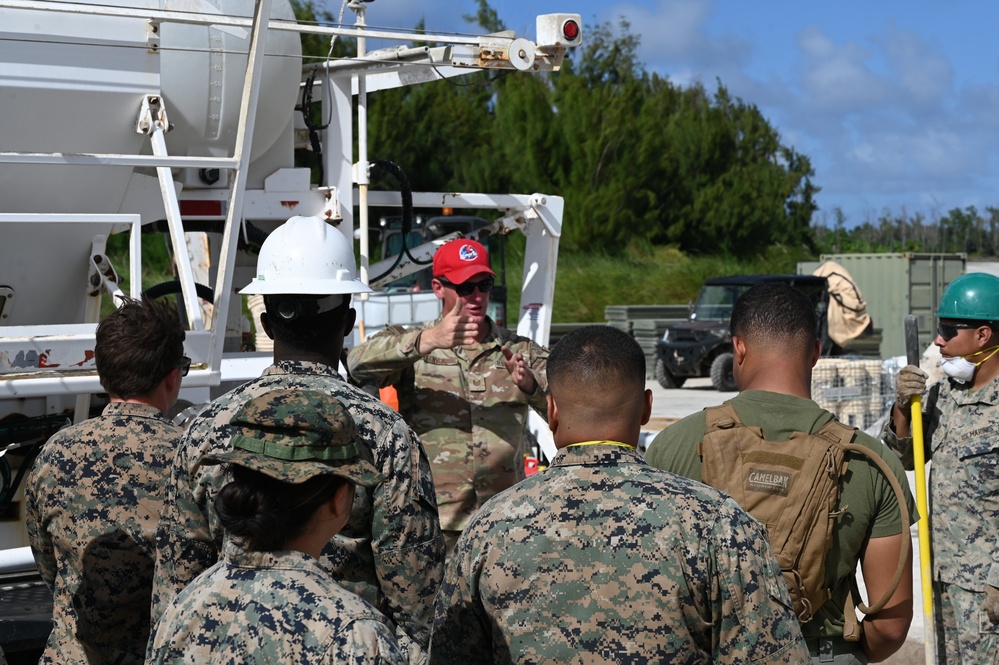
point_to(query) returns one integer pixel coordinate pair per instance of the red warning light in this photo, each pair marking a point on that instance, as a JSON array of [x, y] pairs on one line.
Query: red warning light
[[571, 30]]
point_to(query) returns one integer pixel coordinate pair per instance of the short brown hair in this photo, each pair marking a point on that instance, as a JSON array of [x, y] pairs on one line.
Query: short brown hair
[[137, 345]]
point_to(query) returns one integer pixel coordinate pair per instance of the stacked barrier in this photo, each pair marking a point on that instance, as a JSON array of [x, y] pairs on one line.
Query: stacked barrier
[[857, 390]]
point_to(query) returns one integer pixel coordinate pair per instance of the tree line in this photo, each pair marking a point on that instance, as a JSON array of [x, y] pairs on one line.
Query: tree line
[[961, 230], [638, 159]]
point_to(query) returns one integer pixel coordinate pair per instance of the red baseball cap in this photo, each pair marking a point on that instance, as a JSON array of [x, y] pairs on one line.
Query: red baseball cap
[[460, 260]]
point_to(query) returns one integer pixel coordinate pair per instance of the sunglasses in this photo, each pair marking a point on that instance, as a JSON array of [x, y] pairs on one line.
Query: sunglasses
[[948, 331], [485, 286], [184, 366]]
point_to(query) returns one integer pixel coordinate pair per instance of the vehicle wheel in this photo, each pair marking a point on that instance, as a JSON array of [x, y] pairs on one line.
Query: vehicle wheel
[[721, 373], [665, 378]]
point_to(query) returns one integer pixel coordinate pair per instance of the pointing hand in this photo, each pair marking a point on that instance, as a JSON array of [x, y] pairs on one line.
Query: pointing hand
[[519, 371]]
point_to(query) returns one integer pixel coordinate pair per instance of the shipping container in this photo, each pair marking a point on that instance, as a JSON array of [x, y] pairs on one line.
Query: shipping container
[[896, 285]]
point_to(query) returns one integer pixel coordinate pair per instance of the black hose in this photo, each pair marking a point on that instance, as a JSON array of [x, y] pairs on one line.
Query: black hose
[[169, 288], [406, 190], [256, 236], [314, 129]]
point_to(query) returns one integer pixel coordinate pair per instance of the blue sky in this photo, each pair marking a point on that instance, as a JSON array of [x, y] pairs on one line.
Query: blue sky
[[896, 103]]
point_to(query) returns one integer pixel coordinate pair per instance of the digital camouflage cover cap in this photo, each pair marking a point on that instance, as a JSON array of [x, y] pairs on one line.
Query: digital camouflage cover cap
[[294, 435]]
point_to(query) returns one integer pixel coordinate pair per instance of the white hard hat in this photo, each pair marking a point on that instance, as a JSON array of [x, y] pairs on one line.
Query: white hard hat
[[308, 256]]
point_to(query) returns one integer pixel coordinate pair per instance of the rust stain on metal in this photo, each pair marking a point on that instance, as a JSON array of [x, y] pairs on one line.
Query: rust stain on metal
[[43, 359], [492, 57], [88, 355], [289, 204]]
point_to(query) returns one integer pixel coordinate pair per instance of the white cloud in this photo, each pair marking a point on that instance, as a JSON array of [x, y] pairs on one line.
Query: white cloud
[[922, 73], [979, 104], [838, 78], [406, 13], [675, 42], [875, 104]]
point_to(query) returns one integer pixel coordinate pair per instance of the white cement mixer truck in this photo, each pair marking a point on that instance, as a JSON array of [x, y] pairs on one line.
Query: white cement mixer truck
[[179, 117]]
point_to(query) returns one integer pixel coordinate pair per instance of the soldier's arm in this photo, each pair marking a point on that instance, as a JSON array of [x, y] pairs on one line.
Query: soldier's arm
[[406, 538], [751, 608], [184, 544], [462, 633], [886, 631], [993, 581], [382, 359], [365, 641], [37, 525]]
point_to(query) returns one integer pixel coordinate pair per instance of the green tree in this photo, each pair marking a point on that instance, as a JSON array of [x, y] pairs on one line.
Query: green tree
[[637, 158]]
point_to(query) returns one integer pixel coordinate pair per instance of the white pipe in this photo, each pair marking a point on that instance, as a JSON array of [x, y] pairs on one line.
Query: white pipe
[[175, 224], [44, 386], [362, 174], [234, 214], [110, 159], [234, 21], [16, 559]]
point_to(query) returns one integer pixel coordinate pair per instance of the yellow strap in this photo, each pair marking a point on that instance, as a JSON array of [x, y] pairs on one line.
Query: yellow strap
[[601, 443], [994, 350]]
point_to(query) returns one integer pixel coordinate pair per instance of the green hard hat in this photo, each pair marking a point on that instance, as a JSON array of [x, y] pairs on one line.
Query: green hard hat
[[972, 296]]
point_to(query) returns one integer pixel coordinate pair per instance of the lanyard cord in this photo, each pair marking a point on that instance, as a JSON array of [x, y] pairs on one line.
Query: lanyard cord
[[601, 443]]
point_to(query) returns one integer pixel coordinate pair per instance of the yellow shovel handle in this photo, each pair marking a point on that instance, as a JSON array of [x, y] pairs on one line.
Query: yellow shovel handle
[[925, 564]]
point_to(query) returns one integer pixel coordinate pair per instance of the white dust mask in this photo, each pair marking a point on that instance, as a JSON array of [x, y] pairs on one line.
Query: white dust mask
[[961, 369]]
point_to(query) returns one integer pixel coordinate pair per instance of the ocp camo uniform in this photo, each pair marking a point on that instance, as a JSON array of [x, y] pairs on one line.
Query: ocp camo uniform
[[465, 407]]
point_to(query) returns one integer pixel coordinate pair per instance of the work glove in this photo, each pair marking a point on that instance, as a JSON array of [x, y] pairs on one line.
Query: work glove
[[992, 603], [911, 381]]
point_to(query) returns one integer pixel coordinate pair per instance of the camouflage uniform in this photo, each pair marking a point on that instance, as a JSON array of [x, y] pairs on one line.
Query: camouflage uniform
[[391, 552], [870, 505], [271, 607], [93, 499], [961, 437], [466, 408], [604, 559]]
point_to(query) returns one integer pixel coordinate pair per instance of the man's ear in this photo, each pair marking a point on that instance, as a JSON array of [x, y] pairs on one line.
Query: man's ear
[[552, 414], [265, 323], [349, 321], [171, 380], [438, 288], [647, 408], [985, 337], [739, 349], [816, 352]]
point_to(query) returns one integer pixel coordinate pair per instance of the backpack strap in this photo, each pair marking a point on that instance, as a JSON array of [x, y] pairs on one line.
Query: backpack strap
[[837, 432], [719, 417], [724, 416], [903, 510], [843, 435]]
